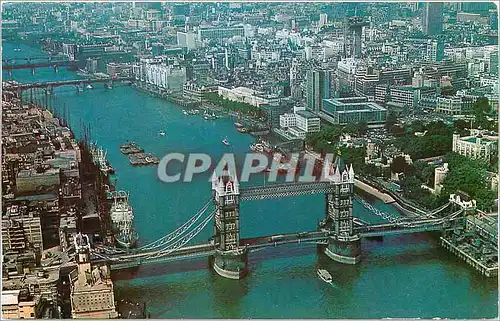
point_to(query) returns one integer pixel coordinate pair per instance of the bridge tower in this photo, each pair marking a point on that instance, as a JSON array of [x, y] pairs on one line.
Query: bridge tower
[[230, 259], [343, 245]]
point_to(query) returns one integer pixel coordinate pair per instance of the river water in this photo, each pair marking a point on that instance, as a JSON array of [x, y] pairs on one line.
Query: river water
[[405, 276]]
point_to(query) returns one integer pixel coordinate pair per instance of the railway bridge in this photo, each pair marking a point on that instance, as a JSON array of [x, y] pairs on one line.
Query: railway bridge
[[338, 235]]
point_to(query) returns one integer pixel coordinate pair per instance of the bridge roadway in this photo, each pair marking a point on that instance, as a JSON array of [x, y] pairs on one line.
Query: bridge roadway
[[285, 189], [25, 86], [60, 63], [119, 262], [7, 60]]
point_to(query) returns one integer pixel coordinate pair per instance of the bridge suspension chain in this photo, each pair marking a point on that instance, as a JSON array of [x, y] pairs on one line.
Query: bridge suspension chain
[[179, 231], [378, 212], [185, 239], [171, 247], [165, 240]]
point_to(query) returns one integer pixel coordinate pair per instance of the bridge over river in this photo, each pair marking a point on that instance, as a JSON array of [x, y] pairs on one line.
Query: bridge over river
[[338, 235]]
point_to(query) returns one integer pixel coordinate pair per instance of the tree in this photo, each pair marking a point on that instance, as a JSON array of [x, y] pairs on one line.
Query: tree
[[480, 108], [397, 130], [392, 119], [417, 126], [399, 165]]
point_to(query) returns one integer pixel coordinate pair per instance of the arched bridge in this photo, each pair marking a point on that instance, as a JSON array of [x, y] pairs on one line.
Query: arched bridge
[[19, 87]]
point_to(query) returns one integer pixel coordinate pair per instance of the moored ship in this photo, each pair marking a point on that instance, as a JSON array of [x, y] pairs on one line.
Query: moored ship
[[325, 275], [99, 159], [122, 220]]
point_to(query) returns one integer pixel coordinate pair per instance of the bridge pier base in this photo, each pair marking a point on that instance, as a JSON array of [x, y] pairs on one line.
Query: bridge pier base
[[344, 249], [231, 264]]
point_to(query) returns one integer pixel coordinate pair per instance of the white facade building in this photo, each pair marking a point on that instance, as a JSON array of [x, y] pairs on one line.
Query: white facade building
[[478, 146]]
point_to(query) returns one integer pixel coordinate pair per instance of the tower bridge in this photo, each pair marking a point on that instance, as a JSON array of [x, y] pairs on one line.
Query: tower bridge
[[338, 235]]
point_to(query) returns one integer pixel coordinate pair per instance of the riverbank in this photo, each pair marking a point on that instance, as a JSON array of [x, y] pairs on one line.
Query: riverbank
[[373, 191], [400, 264]]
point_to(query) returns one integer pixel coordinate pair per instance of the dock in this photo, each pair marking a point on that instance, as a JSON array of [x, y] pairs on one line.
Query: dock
[[131, 148], [138, 159]]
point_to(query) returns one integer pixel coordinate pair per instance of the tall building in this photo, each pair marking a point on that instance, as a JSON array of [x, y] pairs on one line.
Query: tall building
[[433, 18], [92, 292], [318, 88], [435, 50], [352, 36], [294, 85]]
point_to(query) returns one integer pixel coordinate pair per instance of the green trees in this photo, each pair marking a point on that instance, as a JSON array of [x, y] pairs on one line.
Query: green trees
[[436, 142], [469, 176], [399, 165], [480, 109], [324, 141], [357, 129], [392, 119]]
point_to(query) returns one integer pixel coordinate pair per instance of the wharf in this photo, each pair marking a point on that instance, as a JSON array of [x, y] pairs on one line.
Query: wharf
[[143, 159], [131, 148], [489, 271]]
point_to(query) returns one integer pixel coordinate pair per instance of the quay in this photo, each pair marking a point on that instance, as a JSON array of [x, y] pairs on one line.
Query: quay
[[373, 191], [137, 159], [489, 271], [179, 100], [131, 148]]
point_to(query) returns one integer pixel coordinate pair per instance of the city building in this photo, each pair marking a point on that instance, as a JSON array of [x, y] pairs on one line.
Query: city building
[[352, 110], [194, 92], [449, 105], [186, 40], [92, 293], [434, 50], [440, 173], [243, 95], [479, 145], [167, 77], [21, 229], [318, 88], [432, 22], [300, 123], [16, 305], [220, 33]]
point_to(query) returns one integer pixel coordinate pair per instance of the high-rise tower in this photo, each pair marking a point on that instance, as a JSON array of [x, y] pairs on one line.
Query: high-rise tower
[[432, 22]]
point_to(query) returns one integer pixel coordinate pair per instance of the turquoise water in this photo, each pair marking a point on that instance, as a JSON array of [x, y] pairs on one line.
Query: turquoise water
[[403, 276]]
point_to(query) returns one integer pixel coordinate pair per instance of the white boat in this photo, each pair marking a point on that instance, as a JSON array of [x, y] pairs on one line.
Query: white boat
[[325, 275], [122, 219], [99, 158], [257, 147], [17, 49], [226, 142], [162, 133], [89, 86]]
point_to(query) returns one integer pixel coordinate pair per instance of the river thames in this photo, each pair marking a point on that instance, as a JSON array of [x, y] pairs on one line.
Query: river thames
[[407, 276]]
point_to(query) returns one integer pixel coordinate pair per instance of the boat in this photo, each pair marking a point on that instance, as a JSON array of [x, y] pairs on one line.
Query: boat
[[185, 112], [325, 275], [108, 86], [17, 49], [226, 142], [89, 86], [257, 147], [99, 158], [162, 133], [122, 219]]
